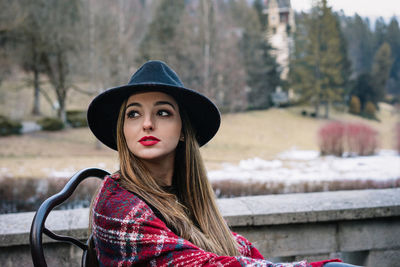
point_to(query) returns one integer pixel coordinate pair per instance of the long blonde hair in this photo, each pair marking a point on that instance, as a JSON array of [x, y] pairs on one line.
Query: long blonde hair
[[192, 212]]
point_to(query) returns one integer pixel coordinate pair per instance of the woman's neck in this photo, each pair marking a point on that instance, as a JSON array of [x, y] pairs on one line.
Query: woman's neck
[[162, 171]]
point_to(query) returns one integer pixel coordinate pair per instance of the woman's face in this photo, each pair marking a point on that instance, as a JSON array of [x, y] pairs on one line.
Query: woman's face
[[152, 126]]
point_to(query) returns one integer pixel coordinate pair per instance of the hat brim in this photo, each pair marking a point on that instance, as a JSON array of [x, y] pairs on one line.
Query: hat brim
[[103, 111]]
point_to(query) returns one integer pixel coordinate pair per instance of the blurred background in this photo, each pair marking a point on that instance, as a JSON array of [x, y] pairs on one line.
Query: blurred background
[[309, 90]]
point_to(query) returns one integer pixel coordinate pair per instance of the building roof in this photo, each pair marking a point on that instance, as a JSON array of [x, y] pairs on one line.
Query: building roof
[[282, 4]]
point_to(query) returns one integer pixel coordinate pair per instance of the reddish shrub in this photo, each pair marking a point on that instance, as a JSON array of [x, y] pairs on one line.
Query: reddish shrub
[[331, 139], [361, 139], [354, 138]]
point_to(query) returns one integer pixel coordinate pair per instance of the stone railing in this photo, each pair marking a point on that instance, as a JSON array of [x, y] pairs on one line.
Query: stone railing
[[361, 227]]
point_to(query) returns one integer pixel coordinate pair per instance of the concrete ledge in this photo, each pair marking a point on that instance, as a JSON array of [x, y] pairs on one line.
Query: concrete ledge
[[242, 211], [378, 234], [311, 207], [15, 227], [293, 239]]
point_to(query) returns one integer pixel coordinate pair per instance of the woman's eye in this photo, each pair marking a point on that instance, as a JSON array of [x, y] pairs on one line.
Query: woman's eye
[[163, 113], [132, 114]]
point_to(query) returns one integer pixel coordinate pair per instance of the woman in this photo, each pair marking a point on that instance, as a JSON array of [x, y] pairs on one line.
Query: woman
[[159, 208]]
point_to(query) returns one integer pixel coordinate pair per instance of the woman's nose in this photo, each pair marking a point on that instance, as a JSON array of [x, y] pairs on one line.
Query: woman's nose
[[148, 123]]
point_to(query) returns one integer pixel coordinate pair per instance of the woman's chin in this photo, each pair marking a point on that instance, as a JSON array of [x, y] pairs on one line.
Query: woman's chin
[[154, 156]]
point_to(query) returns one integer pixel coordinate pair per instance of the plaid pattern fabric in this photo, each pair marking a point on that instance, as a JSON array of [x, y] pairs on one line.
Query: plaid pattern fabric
[[127, 232]]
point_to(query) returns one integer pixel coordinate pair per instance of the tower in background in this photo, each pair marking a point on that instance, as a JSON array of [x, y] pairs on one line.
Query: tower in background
[[281, 25]]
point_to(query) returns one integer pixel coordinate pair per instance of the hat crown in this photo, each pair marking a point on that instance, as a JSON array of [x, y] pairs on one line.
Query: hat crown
[[155, 72]]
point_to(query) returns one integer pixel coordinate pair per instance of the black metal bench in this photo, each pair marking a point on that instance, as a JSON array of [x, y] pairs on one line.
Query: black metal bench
[[38, 223]]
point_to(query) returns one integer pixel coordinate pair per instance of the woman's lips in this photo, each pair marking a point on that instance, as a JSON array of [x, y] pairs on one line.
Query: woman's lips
[[149, 140]]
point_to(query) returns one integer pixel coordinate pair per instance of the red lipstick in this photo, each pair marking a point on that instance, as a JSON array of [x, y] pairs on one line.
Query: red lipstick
[[149, 140]]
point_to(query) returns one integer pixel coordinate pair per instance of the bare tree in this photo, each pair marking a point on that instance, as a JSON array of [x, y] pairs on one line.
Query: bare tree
[[114, 30], [47, 39], [22, 40], [61, 38]]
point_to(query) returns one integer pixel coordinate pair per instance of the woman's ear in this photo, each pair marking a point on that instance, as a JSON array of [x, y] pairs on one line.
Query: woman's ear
[[182, 138]]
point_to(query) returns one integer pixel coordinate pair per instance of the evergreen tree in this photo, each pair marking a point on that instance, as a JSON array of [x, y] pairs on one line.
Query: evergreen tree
[[346, 63], [360, 42], [363, 43], [319, 60], [262, 75], [380, 33], [381, 71], [363, 89], [393, 39]]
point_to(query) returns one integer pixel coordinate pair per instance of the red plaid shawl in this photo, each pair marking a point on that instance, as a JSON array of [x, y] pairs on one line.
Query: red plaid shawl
[[126, 232]]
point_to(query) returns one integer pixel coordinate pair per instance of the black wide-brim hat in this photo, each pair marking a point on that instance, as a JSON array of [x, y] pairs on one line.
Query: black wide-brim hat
[[103, 111]]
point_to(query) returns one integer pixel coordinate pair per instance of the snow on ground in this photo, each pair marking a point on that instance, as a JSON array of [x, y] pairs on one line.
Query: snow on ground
[[64, 173], [291, 167], [294, 166], [70, 171]]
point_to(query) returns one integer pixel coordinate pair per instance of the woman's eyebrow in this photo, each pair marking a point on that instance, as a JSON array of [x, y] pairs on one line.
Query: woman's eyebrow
[[158, 103], [134, 104]]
